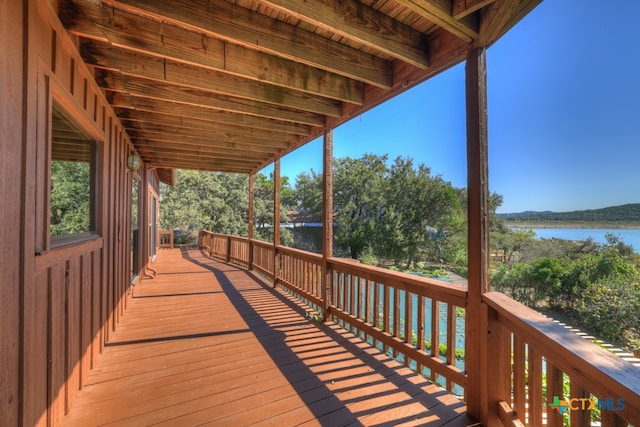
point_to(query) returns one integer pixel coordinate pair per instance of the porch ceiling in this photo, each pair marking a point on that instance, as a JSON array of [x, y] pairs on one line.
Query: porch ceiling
[[233, 85]]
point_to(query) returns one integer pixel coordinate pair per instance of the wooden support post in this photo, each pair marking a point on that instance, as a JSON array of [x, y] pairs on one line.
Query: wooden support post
[[276, 221], [327, 221], [250, 215], [476, 341]]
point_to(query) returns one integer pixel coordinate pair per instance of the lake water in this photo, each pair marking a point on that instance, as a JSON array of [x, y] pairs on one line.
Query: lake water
[[630, 236]]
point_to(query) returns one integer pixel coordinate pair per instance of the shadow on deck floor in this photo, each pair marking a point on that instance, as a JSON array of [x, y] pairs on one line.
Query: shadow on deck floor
[[207, 343]]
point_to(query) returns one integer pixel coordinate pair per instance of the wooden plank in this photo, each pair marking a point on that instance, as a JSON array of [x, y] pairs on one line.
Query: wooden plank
[[211, 137], [554, 388], [519, 377], [36, 345], [439, 12], [462, 8], [357, 21], [57, 343], [257, 31], [96, 305], [276, 220], [73, 325]]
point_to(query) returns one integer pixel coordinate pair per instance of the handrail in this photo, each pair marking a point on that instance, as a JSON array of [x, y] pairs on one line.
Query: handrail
[[589, 368]]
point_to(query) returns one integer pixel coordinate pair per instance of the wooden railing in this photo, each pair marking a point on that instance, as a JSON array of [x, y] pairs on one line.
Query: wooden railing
[[544, 367], [530, 359], [412, 318], [166, 239]]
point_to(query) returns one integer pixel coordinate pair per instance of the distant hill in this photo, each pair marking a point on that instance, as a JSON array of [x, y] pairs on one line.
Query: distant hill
[[623, 214]]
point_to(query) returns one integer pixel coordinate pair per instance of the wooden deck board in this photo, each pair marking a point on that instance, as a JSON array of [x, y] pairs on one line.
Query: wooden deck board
[[206, 343]]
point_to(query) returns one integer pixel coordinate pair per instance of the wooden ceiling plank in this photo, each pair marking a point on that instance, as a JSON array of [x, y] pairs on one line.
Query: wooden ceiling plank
[[252, 152], [440, 13], [230, 147], [184, 45], [177, 122], [462, 8], [201, 154], [212, 134], [190, 163], [166, 92], [356, 21], [224, 141], [151, 106], [259, 32], [171, 72]]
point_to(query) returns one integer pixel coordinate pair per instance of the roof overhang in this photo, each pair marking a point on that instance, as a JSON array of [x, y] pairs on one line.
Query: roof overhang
[[232, 86]]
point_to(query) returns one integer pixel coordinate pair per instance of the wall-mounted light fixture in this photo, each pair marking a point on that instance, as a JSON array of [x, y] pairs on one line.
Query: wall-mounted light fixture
[[134, 162]]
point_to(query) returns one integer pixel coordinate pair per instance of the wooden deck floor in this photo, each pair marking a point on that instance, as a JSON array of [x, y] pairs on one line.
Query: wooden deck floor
[[205, 343]]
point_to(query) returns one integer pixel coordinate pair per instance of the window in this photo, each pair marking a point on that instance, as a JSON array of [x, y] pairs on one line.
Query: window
[[73, 196], [135, 228]]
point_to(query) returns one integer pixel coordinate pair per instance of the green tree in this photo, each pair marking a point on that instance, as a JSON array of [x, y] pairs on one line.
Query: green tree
[[70, 198], [610, 309], [358, 201], [206, 200], [421, 211]]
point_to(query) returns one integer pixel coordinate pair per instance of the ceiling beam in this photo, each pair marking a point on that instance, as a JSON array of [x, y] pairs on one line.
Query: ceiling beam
[[241, 151], [353, 20], [462, 8], [259, 32], [170, 109], [213, 134], [212, 165], [440, 13], [166, 92], [180, 44], [175, 73], [178, 122]]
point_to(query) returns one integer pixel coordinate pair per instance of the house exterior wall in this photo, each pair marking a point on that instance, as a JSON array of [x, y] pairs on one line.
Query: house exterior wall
[[11, 200], [59, 304]]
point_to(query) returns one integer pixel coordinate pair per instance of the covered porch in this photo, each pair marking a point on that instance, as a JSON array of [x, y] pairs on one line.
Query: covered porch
[[134, 89], [207, 342]]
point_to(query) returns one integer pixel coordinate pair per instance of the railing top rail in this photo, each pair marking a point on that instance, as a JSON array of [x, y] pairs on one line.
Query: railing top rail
[[308, 256], [262, 243], [598, 370], [443, 291]]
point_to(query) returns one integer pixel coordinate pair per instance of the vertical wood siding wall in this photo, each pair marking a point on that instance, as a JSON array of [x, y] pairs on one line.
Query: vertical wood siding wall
[[58, 305]]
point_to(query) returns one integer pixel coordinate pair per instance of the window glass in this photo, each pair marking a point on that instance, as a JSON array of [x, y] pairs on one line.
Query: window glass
[[73, 180]]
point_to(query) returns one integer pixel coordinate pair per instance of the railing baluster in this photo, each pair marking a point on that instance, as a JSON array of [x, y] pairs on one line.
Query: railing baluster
[[435, 334], [385, 312], [554, 388], [535, 387], [396, 317], [519, 380], [376, 308], [408, 322], [578, 417], [435, 328], [421, 318], [451, 339]]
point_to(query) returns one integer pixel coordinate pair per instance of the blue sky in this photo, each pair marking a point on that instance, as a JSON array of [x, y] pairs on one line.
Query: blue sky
[[564, 113]]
